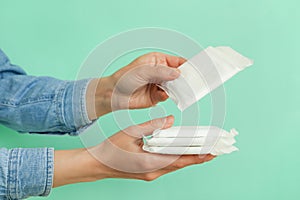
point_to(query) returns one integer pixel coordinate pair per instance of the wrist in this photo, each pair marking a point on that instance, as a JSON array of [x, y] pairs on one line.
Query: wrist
[[98, 170], [98, 97]]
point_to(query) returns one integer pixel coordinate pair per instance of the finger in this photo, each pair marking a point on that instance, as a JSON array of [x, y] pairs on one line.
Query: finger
[[209, 157], [147, 128], [166, 59], [160, 123], [153, 162], [167, 170], [161, 96], [187, 160], [174, 61], [158, 74], [158, 95]]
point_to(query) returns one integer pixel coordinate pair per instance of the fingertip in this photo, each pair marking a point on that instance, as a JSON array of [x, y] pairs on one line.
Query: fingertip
[[162, 95], [148, 127], [209, 157], [181, 60], [159, 96], [169, 121], [205, 157], [175, 61]]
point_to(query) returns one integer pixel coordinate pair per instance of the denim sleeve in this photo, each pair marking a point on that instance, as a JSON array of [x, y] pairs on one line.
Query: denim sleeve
[[41, 104], [25, 172]]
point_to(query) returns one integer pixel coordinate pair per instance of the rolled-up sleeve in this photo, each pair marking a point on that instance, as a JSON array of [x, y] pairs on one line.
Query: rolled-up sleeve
[[41, 104], [25, 172]]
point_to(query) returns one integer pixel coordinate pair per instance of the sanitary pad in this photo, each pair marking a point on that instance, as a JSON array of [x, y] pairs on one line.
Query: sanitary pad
[[191, 140], [203, 73]]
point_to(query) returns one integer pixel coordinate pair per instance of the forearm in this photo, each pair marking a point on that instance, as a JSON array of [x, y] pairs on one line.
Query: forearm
[[78, 165], [34, 171]]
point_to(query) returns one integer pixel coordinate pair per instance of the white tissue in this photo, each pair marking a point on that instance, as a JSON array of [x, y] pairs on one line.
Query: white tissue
[[191, 140], [203, 73]]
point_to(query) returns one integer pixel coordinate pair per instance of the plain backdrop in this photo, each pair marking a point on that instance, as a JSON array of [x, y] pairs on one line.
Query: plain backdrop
[[52, 38]]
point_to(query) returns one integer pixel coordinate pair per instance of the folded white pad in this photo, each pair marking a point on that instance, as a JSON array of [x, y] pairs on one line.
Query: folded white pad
[[204, 73], [191, 140]]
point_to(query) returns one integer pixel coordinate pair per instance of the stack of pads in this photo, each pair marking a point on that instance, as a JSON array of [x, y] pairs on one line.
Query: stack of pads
[[191, 140], [199, 76]]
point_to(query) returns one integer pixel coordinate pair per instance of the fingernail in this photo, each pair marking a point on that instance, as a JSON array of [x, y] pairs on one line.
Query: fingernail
[[202, 156]]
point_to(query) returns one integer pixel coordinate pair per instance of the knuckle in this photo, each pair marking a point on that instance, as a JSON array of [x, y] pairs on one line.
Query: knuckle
[[149, 177], [198, 160], [154, 53], [162, 70], [158, 71], [157, 123], [179, 164]]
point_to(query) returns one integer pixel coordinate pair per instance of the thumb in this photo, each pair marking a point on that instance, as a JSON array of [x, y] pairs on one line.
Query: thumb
[[148, 127], [159, 73]]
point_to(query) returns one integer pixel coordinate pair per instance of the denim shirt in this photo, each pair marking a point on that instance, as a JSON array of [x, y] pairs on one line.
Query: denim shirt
[[41, 105]]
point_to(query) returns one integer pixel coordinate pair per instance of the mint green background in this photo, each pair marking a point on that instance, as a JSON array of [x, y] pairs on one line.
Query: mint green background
[[54, 37]]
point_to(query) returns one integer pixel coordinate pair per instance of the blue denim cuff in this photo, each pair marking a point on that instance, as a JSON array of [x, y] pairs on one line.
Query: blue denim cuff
[[30, 172], [73, 106], [41, 104]]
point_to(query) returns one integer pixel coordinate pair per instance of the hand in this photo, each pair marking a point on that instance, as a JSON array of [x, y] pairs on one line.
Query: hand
[[122, 156], [134, 86]]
